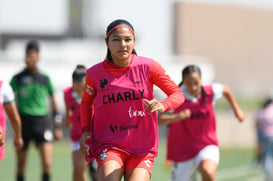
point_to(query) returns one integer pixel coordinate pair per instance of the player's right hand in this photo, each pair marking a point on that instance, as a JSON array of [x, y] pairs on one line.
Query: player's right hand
[[184, 114], [18, 143], [83, 146]]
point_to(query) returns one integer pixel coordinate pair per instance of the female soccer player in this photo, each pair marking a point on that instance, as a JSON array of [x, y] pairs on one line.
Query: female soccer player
[[72, 98], [8, 106], [118, 109], [193, 124], [2, 140]]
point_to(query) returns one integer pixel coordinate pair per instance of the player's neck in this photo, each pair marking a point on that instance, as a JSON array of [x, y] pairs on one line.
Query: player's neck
[[32, 69]]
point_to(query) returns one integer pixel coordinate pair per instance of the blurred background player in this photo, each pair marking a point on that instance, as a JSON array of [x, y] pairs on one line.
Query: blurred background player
[[8, 106], [72, 97], [193, 124], [32, 89], [264, 123], [2, 140], [259, 149]]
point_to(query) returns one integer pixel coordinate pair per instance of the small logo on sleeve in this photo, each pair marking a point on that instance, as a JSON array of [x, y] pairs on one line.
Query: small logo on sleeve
[[90, 90]]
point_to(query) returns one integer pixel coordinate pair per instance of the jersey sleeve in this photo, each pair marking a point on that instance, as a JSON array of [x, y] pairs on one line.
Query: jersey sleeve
[[86, 107], [7, 93], [217, 91], [13, 83], [50, 87], [162, 80]]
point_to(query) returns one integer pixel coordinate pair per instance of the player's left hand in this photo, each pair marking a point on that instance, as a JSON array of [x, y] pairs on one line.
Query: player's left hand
[[58, 133], [240, 115], [2, 139], [18, 143], [153, 105]]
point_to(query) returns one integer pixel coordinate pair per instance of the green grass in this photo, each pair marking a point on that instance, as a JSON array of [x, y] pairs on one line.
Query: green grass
[[245, 102], [238, 165], [235, 165], [61, 163]]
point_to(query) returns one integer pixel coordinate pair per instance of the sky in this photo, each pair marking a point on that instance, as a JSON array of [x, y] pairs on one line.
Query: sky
[[33, 16]]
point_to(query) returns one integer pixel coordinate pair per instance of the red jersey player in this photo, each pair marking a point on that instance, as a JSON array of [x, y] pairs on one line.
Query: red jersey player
[[8, 106], [72, 97], [118, 109], [192, 141]]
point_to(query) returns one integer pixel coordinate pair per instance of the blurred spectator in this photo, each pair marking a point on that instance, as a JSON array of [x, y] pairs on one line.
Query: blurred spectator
[[265, 137]]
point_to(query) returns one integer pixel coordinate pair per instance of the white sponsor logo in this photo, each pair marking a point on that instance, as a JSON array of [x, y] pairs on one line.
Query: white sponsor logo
[[135, 113]]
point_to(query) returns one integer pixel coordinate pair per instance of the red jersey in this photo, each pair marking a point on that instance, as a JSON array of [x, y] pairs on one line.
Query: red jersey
[[187, 137], [73, 105], [3, 124], [115, 95]]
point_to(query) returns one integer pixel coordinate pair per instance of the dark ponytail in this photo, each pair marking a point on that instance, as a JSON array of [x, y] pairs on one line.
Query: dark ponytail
[[204, 95], [79, 73]]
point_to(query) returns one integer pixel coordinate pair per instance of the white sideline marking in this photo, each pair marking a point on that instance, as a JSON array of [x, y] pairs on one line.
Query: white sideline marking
[[256, 178], [234, 172]]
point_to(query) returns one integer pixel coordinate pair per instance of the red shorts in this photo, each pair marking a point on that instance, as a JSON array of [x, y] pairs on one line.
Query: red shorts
[[127, 161]]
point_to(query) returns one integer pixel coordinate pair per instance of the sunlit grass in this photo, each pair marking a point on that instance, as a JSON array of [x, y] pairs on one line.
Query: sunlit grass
[[62, 163]]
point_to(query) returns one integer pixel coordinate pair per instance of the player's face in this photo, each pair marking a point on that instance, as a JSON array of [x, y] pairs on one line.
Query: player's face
[[79, 87], [32, 58], [121, 44], [193, 84]]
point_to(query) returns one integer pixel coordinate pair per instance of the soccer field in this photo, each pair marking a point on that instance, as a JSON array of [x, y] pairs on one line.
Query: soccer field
[[235, 165]]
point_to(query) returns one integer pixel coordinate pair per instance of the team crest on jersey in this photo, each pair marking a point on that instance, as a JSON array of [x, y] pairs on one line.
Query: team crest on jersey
[[103, 83], [103, 155], [89, 89]]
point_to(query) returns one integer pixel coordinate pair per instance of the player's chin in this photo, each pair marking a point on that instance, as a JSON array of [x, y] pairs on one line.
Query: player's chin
[[124, 55], [194, 93]]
